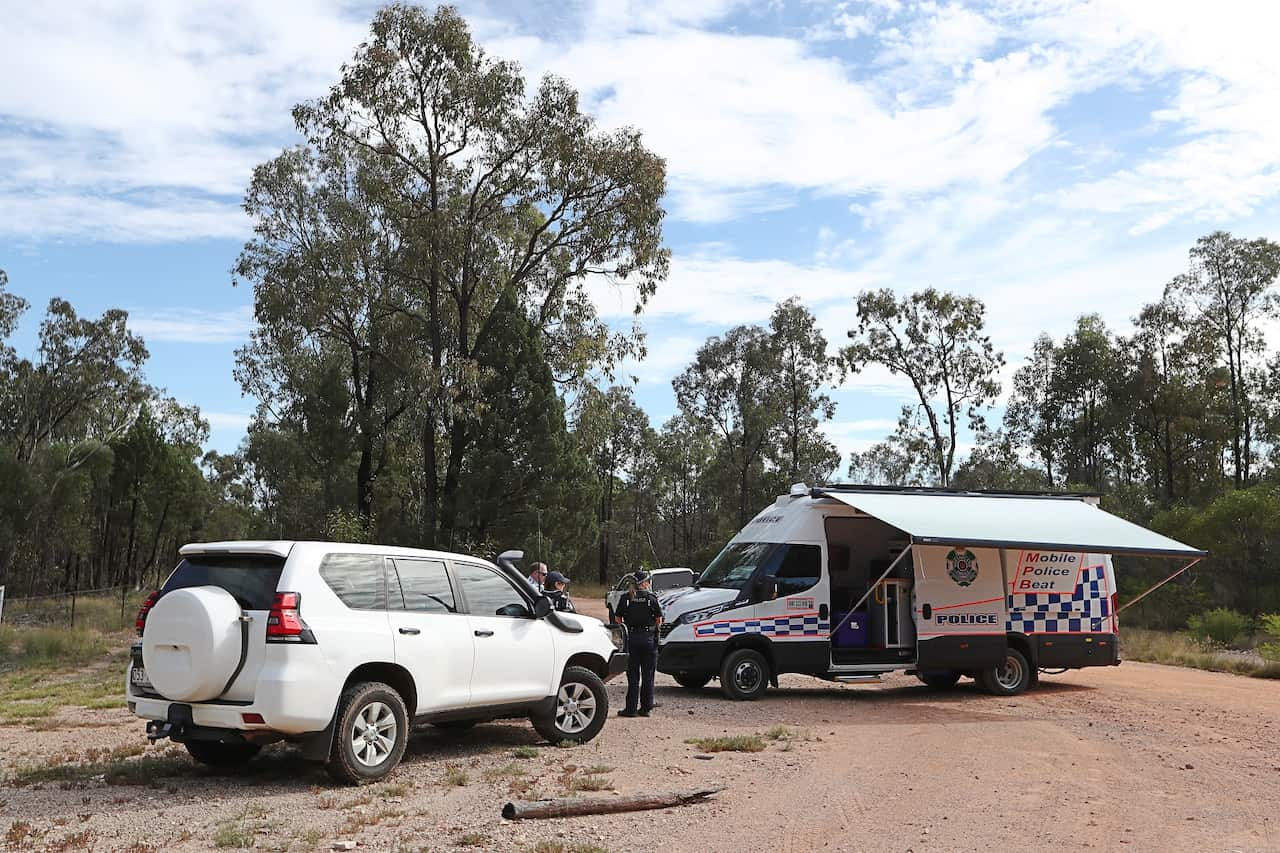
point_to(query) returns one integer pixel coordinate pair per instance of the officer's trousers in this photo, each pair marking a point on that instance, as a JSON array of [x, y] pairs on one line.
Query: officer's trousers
[[641, 665]]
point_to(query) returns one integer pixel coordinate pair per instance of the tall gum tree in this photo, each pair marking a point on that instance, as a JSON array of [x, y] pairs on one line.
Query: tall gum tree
[[1231, 284], [936, 341], [491, 195]]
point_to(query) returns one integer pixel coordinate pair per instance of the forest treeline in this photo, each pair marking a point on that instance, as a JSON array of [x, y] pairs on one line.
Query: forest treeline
[[431, 370]]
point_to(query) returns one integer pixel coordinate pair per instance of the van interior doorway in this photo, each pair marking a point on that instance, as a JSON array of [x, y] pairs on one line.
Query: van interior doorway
[[882, 628]]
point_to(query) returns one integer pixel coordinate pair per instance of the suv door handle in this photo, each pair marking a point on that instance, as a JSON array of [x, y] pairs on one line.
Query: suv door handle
[[484, 633], [410, 631]]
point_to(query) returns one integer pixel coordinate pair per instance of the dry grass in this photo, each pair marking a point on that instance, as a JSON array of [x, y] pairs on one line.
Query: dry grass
[[729, 743], [455, 776], [1181, 650]]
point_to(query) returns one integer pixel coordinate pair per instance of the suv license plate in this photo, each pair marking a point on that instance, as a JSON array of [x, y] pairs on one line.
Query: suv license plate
[[138, 677]]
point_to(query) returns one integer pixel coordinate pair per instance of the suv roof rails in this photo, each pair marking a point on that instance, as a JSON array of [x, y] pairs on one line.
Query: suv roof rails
[[819, 491]]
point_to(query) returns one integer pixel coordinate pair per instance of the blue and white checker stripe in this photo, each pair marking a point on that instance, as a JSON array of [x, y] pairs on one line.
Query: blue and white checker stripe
[[801, 625], [1085, 609]]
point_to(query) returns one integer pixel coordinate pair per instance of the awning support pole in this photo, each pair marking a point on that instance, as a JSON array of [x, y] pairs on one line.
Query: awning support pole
[[1157, 586], [870, 590]]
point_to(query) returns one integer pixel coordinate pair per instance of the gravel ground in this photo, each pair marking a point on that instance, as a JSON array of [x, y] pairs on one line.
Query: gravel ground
[[1139, 757]]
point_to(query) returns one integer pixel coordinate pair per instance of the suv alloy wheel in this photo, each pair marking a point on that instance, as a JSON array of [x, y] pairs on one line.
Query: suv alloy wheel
[[581, 707], [370, 735]]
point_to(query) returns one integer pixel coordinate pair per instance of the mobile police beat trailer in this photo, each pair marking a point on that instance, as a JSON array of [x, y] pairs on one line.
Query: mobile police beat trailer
[[847, 583]]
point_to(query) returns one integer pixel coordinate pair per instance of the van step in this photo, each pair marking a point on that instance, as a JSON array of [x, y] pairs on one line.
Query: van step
[[858, 679]]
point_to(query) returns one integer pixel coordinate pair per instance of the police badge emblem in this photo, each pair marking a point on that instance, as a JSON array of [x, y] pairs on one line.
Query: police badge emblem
[[962, 566]]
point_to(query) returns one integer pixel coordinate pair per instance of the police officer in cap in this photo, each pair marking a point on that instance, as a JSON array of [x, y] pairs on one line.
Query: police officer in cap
[[640, 612]]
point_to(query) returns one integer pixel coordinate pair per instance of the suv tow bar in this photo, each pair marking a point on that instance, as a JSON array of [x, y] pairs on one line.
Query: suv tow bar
[[159, 729]]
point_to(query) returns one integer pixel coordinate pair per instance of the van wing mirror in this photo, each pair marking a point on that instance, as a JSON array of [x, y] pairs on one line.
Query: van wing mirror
[[541, 607]]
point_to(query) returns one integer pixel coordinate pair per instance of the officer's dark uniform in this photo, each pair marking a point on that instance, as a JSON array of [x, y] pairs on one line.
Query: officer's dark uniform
[[640, 613]]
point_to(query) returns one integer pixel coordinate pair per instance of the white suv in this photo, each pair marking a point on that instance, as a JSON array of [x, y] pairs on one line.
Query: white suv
[[341, 648]]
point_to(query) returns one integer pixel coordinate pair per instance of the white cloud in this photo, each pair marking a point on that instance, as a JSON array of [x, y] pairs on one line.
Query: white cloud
[[666, 356], [142, 121], [193, 326], [234, 422]]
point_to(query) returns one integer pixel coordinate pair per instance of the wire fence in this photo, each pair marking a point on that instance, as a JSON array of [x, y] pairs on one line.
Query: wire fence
[[110, 608]]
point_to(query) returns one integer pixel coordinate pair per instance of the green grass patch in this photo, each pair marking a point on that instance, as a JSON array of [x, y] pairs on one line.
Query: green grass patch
[[729, 743], [591, 783], [50, 647], [561, 847], [116, 771], [524, 752], [510, 770], [232, 834]]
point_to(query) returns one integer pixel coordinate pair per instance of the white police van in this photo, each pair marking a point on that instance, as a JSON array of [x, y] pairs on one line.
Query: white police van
[[847, 583]]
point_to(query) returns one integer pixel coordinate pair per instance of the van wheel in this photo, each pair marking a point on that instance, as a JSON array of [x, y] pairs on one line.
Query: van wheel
[[1010, 679], [939, 679], [744, 675], [692, 680], [213, 754], [371, 733], [581, 707]]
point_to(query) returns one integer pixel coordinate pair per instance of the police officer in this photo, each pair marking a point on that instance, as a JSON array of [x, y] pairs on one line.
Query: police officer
[[556, 591], [640, 612]]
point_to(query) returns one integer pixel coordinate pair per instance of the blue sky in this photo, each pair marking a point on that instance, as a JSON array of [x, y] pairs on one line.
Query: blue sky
[[1052, 158]]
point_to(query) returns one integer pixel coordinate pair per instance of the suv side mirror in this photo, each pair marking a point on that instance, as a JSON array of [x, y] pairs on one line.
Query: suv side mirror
[[764, 589], [541, 607]]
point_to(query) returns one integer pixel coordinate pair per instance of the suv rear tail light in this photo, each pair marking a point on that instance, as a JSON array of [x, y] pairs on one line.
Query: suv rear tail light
[[284, 622], [141, 622]]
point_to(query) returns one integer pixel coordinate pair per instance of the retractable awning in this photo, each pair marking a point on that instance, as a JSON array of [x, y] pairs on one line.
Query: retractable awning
[[1013, 521]]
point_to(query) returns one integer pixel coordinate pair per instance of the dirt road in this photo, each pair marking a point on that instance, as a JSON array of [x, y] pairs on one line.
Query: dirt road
[[1140, 757]]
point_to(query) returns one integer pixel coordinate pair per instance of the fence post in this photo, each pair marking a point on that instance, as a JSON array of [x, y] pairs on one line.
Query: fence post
[[73, 608]]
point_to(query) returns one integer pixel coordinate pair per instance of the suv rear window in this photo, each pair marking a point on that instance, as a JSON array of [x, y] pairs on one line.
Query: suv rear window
[[250, 578], [356, 579]]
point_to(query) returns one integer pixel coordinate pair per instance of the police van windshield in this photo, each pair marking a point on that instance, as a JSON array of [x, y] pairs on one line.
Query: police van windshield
[[735, 565]]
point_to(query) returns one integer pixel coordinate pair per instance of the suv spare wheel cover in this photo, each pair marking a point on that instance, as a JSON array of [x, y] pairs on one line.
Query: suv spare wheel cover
[[191, 643]]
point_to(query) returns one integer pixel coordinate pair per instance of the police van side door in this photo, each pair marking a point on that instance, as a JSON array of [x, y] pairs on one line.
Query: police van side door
[[960, 607]]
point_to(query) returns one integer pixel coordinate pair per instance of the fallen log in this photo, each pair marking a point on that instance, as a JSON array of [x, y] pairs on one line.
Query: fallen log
[[577, 806]]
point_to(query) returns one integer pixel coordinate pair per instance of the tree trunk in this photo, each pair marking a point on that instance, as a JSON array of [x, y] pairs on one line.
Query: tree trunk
[[364, 482], [453, 471], [430, 482], [577, 806]]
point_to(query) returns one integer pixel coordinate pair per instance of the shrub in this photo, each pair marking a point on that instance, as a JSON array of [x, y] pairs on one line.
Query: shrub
[[1271, 624], [1221, 625]]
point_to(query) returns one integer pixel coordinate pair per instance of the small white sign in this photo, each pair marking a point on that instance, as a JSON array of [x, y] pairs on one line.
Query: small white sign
[[1, 603], [1046, 571]]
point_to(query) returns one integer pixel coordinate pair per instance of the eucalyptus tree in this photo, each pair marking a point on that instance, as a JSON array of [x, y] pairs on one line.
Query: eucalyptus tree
[[472, 194], [805, 371], [1231, 284], [936, 341], [614, 433], [732, 390]]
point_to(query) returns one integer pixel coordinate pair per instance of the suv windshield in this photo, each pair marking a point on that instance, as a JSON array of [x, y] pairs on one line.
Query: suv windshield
[[250, 578], [735, 565]]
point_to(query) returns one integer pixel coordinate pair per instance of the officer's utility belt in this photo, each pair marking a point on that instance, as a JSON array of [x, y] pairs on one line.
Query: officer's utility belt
[[645, 629]]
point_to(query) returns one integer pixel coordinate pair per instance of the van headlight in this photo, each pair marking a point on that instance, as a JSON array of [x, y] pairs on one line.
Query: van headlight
[[699, 615]]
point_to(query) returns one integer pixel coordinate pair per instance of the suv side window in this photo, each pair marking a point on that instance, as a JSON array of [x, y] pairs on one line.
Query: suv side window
[[422, 587], [488, 593], [356, 579]]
